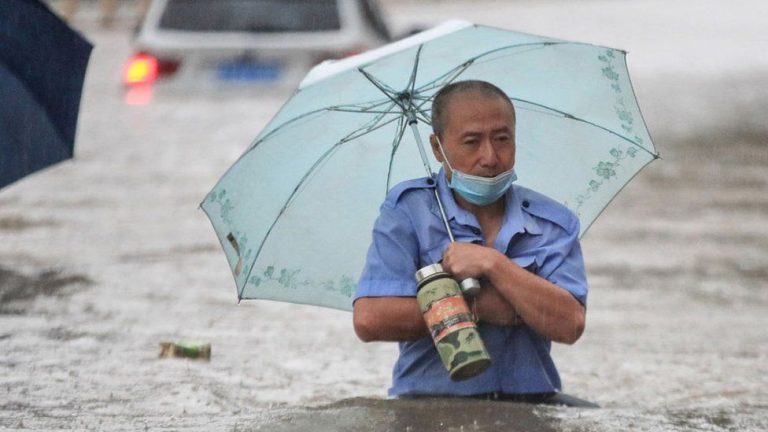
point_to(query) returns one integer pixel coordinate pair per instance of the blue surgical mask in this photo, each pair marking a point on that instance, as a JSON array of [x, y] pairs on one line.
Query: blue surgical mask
[[478, 190]]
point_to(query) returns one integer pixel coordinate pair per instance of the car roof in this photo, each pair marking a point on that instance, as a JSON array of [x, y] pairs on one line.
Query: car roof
[[356, 19]]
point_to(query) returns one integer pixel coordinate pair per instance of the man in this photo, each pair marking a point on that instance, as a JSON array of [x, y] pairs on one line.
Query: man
[[521, 245]]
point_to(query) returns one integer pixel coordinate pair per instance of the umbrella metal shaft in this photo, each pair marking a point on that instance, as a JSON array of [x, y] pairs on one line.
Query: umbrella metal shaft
[[469, 286], [412, 123]]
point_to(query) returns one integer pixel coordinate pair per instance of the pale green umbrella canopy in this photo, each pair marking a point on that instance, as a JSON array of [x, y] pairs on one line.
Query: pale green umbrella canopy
[[294, 214]]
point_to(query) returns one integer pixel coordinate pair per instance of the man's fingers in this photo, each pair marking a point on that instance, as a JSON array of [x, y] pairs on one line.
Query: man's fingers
[[458, 261]]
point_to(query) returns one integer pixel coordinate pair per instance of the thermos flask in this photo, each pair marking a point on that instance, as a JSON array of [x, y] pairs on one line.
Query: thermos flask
[[450, 323]]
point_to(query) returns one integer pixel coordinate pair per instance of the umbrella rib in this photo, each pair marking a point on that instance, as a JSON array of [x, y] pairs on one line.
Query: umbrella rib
[[360, 132], [285, 206], [440, 80], [365, 129], [572, 117], [420, 97], [367, 106], [287, 122], [360, 111], [395, 145], [412, 79], [423, 113], [421, 116], [387, 90], [382, 87], [452, 74], [339, 108], [531, 47]]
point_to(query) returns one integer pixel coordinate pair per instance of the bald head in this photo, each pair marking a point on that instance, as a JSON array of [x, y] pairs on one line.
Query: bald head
[[440, 104]]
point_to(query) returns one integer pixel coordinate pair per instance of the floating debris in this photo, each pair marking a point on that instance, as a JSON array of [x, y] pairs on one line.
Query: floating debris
[[185, 350]]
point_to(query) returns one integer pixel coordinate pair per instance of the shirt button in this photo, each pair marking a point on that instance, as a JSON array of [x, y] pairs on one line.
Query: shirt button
[[526, 204]]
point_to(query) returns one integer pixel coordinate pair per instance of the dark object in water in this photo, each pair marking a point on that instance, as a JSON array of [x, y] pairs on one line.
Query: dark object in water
[[559, 399], [556, 399], [415, 415]]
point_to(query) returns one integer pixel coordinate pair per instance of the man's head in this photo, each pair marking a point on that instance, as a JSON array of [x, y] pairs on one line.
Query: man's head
[[475, 123]]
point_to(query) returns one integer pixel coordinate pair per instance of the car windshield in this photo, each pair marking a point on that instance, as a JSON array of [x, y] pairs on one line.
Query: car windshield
[[251, 15]]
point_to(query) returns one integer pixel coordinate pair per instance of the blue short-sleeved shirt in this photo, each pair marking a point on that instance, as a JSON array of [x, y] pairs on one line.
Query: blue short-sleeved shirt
[[538, 234]]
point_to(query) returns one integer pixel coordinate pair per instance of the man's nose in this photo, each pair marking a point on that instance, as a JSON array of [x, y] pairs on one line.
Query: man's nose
[[488, 156]]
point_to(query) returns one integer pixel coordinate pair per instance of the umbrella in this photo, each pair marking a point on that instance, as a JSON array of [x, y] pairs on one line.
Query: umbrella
[[294, 213], [42, 66]]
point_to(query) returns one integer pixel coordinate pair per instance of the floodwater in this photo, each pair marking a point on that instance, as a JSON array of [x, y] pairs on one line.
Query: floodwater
[[104, 257]]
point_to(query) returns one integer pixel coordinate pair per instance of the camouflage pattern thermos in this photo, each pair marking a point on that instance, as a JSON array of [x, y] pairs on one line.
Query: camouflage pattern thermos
[[450, 323]]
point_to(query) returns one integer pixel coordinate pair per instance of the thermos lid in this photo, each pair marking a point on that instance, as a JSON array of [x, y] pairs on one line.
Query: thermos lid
[[428, 271]]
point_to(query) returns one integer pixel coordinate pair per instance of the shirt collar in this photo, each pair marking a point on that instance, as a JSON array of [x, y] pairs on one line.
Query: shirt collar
[[516, 216], [515, 219], [519, 201], [451, 207]]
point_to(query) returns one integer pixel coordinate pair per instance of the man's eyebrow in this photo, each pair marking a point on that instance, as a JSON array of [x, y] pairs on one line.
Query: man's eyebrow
[[504, 129]]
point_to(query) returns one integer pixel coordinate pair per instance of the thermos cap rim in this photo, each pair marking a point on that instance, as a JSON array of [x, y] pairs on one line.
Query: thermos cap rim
[[428, 271]]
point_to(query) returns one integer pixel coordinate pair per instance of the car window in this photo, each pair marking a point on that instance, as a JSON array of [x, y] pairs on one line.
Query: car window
[[251, 15]]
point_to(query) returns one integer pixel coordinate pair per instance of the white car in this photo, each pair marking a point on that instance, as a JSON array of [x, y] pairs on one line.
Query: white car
[[248, 42]]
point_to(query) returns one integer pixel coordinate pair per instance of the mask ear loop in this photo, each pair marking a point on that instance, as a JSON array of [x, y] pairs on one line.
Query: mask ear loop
[[442, 152]]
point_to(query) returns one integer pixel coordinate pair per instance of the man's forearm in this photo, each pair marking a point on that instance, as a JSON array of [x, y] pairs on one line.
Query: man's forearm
[[388, 319], [550, 310]]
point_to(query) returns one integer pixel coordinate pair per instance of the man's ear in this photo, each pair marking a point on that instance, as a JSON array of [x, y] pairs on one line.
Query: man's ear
[[435, 148]]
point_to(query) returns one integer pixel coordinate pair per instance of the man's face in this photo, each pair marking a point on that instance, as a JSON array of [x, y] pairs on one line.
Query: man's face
[[479, 135]]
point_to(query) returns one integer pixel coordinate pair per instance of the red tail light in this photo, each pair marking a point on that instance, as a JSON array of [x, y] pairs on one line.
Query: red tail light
[[141, 69], [145, 68]]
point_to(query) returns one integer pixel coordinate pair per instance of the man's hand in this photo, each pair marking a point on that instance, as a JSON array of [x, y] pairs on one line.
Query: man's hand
[[468, 260]]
